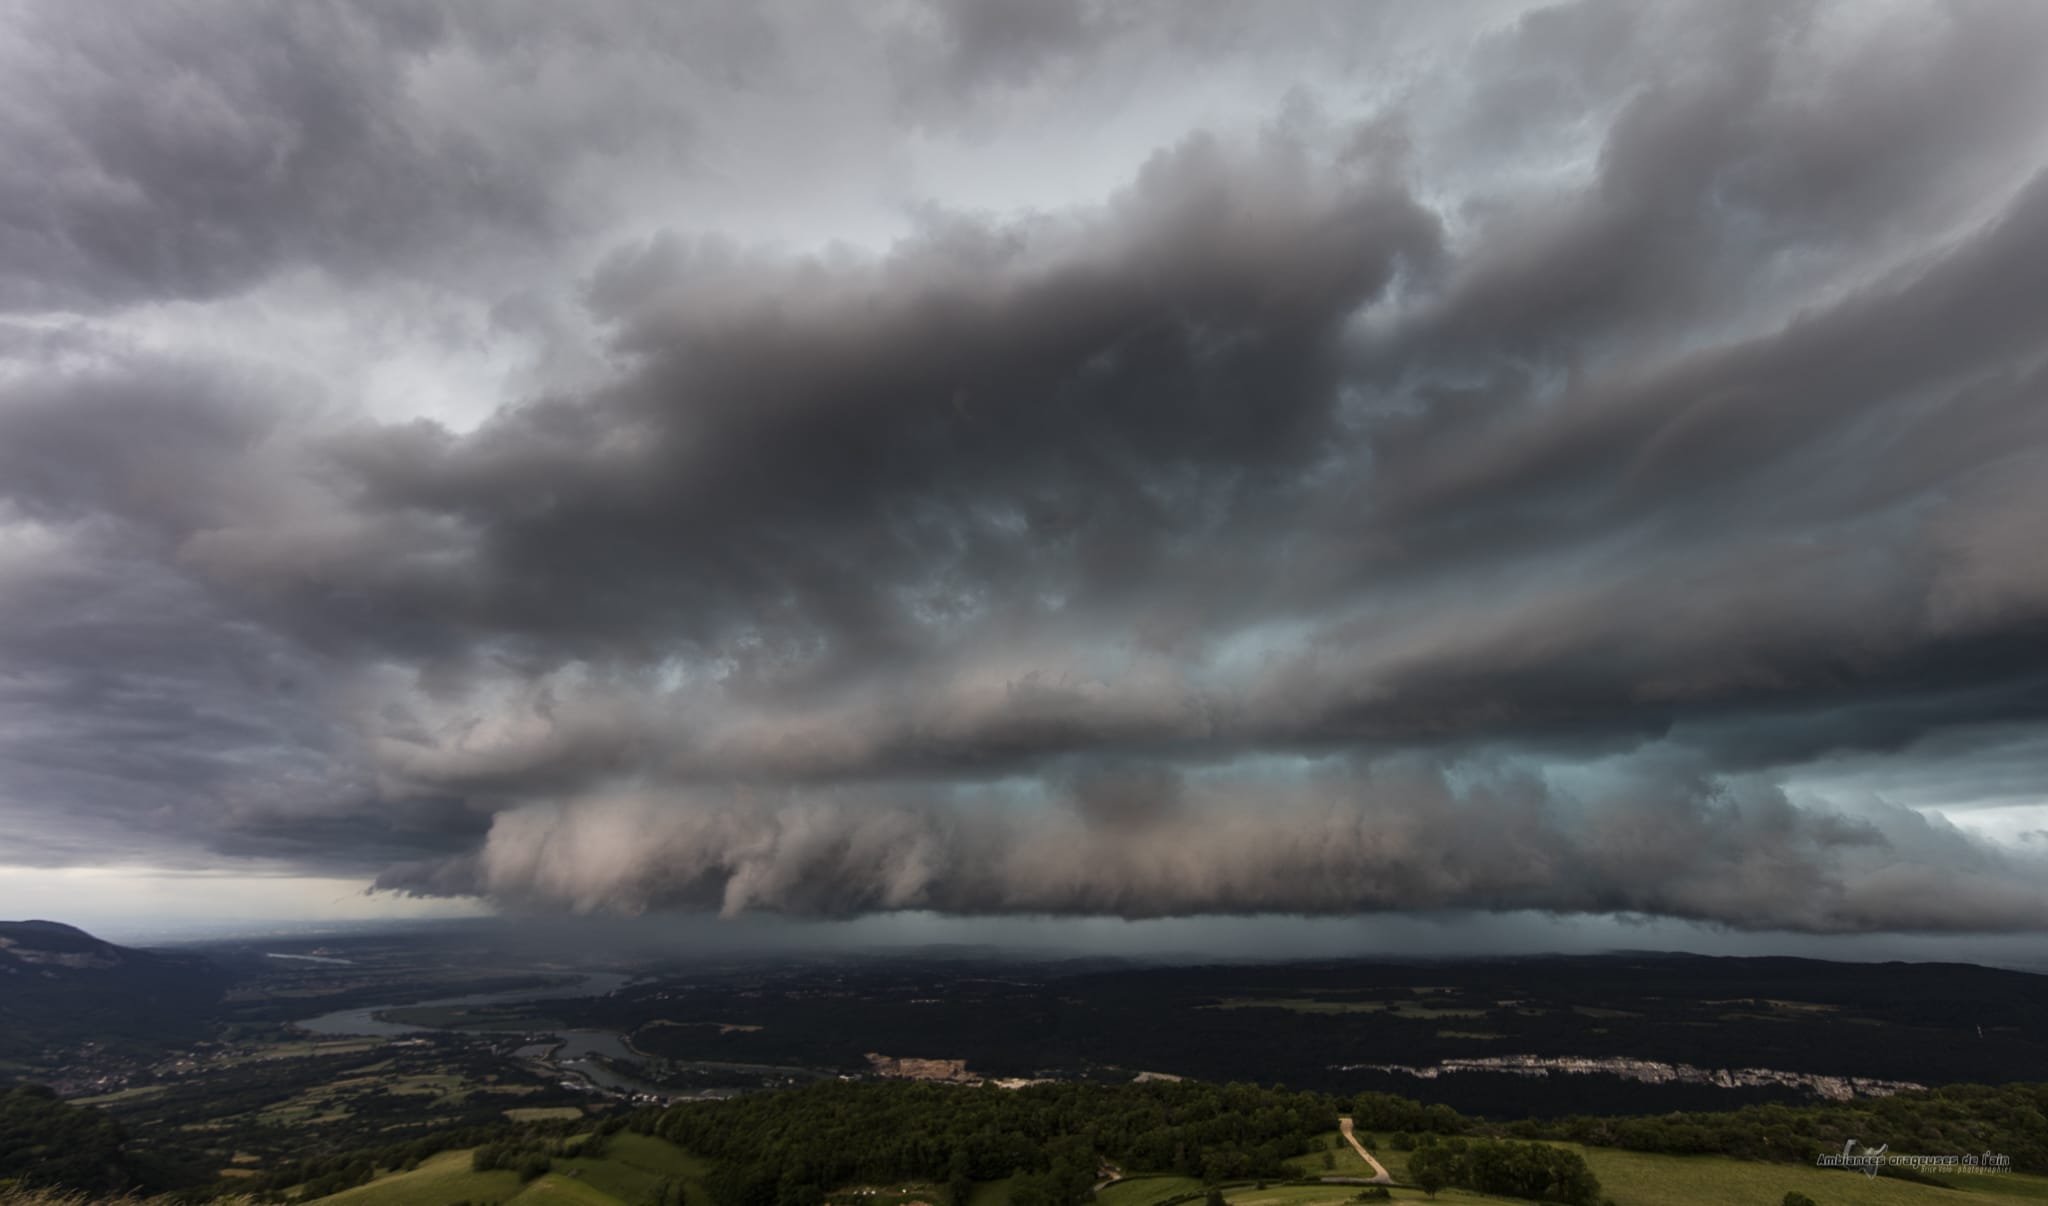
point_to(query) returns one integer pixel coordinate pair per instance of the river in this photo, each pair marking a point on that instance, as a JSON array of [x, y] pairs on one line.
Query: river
[[576, 1052]]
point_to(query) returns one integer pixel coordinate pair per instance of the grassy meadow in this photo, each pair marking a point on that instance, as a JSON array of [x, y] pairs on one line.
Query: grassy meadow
[[625, 1176], [1630, 1179], [1344, 1161], [1649, 1179], [1145, 1191], [629, 1171], [438, 1181]]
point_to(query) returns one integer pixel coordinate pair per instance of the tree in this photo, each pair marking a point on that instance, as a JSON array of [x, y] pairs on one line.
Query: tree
[[1032, 1189], [45, 1141], [1795, 1198], [1213, 1198], [793, 1190], [1432, 1167], [959, 1179]]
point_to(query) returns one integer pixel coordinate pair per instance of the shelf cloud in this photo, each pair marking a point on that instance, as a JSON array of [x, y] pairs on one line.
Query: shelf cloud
[[955, 460], [1346, 841]]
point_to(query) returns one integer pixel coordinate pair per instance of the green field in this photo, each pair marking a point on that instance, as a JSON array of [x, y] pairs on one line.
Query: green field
[[438, 1181], [1144, 1191], [560, 1189], [1630, 1179], [625, 1176], [541, 1113], [434, 1094], [1339, 1195], [1633, 1178], [634, 1165], [263, 1053], [1345, 1162], [139, 1093], [991, 1193], [1647, 1179]]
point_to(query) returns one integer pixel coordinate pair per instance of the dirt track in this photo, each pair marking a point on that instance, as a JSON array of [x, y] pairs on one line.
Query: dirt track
[[1379, 1170]]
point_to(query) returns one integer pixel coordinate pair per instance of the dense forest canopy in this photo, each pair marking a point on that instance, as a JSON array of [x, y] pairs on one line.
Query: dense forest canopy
[[46, 1142], [778, 1149]]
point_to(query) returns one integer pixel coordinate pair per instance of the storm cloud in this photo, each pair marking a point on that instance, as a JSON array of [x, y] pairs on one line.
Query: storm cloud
[[1044, 459]]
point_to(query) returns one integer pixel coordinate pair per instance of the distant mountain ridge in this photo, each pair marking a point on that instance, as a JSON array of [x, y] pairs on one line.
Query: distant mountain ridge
[[52, 944], [60, 987]]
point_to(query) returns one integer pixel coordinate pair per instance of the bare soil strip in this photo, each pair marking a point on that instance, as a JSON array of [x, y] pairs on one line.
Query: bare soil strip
[[1379, 1170]]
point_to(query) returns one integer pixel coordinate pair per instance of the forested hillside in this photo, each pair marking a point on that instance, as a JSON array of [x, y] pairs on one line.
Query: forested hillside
[[786, 1148], [2011, 1120], [47, 1143], [61, 988], [1046, 1145]]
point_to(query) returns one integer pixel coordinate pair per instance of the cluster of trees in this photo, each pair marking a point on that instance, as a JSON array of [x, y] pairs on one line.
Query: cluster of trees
[[1504, 1166], [513, 1146], [1072, 1168], [1386, 1112], [2009, 1120], [347, 1174], [783, 1149], [531, 1163], [45, 1142], [531, 1152], [325, 1174]]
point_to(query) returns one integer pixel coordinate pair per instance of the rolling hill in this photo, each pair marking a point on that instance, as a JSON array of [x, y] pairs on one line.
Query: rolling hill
[[61, 989]]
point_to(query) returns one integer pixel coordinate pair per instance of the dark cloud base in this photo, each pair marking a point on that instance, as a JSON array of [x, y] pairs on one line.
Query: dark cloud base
[[1358, 840], [1330, 520]]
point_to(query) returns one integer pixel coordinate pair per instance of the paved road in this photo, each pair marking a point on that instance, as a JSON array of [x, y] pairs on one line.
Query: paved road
[[1379, 1170]]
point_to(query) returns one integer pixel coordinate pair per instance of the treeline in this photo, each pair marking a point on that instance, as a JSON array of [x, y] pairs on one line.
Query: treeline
[[322, 1175], [2008, 1120], [787, 1148], [512, 1146], [1386, 1112], [532, 1153], [1506, 1167], [47, 1143]]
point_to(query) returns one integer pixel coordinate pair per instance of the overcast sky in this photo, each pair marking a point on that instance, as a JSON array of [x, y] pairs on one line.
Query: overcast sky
[[1581, 465]]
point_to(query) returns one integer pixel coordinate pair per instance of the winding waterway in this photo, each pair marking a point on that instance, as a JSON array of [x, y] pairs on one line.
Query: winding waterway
[[577, 1051]]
